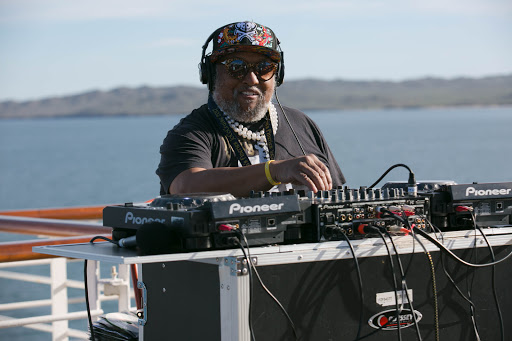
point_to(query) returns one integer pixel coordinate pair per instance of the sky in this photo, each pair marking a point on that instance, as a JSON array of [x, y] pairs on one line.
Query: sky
[[54, 48]]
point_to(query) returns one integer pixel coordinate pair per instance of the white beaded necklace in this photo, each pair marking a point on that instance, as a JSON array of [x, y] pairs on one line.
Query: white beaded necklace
[[258, 136]]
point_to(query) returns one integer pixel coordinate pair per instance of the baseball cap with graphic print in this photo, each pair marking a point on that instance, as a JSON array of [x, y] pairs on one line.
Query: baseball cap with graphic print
[[246, 36]]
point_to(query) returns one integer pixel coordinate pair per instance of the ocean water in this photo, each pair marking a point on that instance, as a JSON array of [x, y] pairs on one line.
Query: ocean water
[[95, 161]]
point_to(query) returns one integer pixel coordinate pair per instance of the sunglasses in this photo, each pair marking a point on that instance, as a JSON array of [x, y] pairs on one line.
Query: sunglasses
[[239, 68]]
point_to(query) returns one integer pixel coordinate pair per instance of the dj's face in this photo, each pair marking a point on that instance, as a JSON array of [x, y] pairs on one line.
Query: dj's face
[[246, 99]]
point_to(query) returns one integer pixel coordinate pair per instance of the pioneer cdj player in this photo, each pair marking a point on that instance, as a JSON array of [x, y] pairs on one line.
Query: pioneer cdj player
[[209, 221], [453, 207]]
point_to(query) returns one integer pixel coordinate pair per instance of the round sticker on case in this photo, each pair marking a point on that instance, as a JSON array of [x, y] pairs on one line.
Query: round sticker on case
[[387, 320]]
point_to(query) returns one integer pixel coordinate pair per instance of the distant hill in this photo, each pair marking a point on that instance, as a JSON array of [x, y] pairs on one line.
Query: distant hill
[[310, 94]]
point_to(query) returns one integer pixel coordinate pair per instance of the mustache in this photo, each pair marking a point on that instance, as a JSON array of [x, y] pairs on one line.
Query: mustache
[[249, 89]]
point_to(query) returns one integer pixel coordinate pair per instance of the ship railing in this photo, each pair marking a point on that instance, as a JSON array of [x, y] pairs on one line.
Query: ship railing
[[17, 257]]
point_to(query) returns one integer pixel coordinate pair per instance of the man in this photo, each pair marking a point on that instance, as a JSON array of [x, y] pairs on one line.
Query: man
[[240, 141]]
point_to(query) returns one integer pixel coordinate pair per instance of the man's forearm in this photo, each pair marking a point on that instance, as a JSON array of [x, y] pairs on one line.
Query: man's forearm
[[238, 181], [305, 170]]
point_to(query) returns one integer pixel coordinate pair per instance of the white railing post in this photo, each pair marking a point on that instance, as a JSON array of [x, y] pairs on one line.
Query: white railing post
[[59, 297], [93, 283], [124, 303]]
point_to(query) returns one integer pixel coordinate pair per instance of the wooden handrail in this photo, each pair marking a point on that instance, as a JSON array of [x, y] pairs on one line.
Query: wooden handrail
[[74, 232], [22, 250], [50, 227], [84, 212]]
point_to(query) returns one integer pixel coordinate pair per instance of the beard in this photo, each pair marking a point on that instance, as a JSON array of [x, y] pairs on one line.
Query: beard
[[233, 108]]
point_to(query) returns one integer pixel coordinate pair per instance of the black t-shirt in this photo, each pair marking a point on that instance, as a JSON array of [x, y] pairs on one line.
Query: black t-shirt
[[197, 141]]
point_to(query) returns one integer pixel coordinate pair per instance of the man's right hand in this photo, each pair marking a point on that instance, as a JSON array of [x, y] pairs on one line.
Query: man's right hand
[[304, 170]]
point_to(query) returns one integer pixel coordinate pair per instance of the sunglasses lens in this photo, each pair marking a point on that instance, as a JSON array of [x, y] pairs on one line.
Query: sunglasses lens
[[266, 70], [237, 68]]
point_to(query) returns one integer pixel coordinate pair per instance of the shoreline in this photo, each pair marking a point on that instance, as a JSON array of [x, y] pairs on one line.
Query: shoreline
[[307, 111]]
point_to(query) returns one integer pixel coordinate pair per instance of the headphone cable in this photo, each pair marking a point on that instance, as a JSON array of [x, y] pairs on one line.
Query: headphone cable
[[288, 121]]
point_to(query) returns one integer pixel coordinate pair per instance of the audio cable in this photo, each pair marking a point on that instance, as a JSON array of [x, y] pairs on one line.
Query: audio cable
[[404, 283], [412, 187], [450, 278], [472, 265], [454, 256], [248, 257], [395, 286], [360, 282], [404, 287], [493, 279], [388, 213], [251, 285], [434, 295], [434, 287], [470, 278], [492, 264], [103, 238], [87, 304]]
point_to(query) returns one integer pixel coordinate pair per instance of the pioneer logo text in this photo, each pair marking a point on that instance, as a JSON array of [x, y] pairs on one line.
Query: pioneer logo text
[[479, 192], [237, 208], [140, 220]]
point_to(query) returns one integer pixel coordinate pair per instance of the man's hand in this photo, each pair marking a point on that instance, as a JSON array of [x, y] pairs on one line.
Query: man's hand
[[305, 170]]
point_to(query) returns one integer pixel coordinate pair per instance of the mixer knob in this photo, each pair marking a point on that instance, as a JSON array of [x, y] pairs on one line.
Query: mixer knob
[[370, 193], [338, 195], [362, 192], [341, 195], [334, 195], [356, 194], [349, 196]]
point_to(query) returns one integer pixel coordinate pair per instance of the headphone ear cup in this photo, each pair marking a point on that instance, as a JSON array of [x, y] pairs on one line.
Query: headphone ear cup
[[203, 75], [280, 74], [206, 72], [209, 70], [280, 71]]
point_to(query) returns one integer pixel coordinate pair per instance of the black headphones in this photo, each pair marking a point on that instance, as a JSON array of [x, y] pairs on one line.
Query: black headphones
[[207, 68]]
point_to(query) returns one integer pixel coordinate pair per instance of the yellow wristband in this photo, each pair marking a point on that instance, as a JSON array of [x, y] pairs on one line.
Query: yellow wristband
[[267, 173]]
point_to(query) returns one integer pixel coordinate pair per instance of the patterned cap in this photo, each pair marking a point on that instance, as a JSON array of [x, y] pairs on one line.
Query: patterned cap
[[245, 36]]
